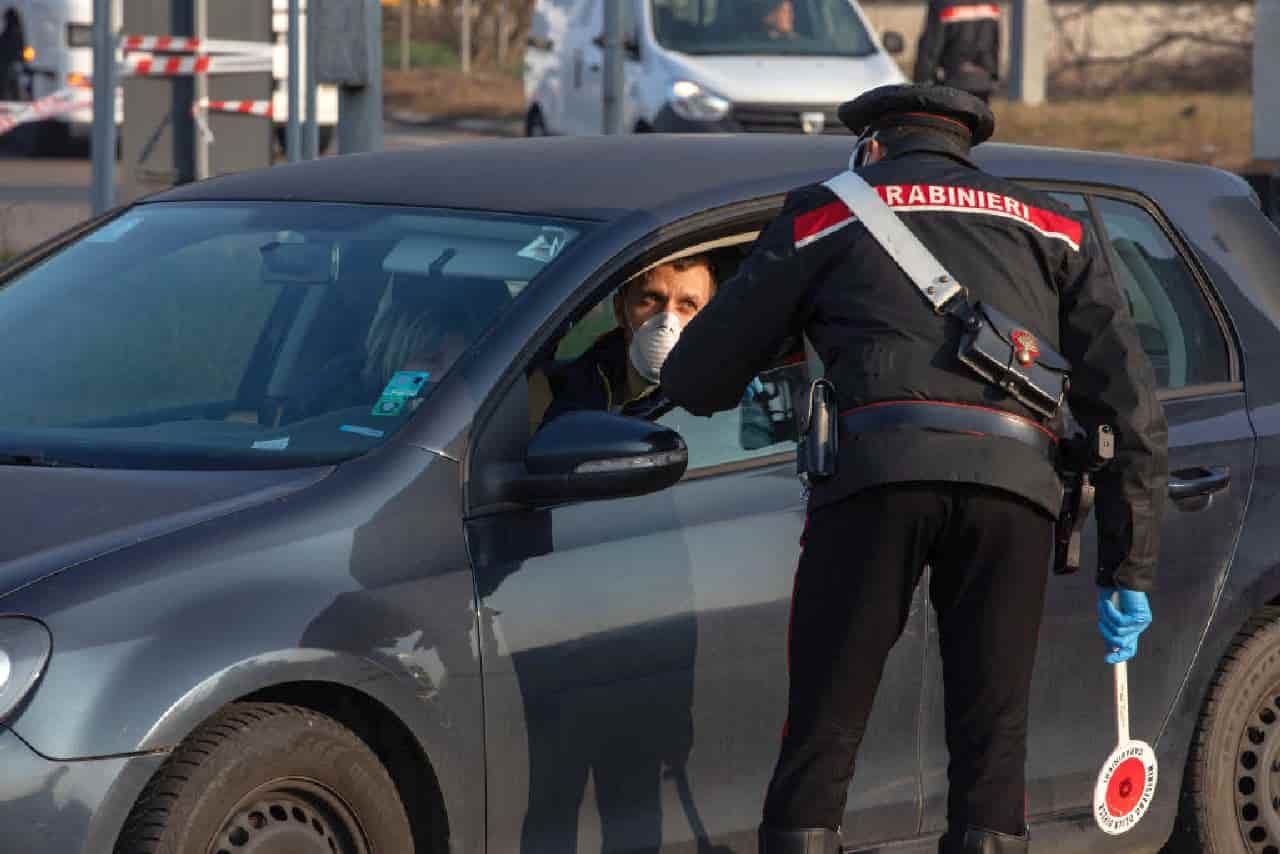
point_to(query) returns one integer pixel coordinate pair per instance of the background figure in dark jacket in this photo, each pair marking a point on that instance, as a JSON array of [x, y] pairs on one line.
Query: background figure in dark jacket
[[11, 44], [961, 46]]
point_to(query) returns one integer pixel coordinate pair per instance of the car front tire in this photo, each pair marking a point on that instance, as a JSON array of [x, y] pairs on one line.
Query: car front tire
[[265, 777], [1231, 792]]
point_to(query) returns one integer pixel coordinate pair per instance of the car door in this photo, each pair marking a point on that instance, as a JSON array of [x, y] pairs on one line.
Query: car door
[[584, 87], [1185, 334], [635, 658]]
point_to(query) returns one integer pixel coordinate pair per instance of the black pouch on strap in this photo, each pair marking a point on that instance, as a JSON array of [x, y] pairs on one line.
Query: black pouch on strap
[[1004, 352]]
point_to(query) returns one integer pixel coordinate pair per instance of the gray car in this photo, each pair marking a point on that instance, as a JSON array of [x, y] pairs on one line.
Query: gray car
[[287, 565]]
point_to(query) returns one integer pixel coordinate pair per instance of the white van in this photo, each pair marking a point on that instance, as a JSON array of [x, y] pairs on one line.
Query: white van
[[59, 37], [706, 65]]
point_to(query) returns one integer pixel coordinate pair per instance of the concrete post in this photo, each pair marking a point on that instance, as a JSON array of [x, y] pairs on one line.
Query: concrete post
[[1028, 51], [104, 108], [614, 65], [293, 130], [360, 107], [1266, 75]]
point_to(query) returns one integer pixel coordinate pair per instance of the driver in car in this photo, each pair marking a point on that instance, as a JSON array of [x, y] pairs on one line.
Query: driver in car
[[619, 372]]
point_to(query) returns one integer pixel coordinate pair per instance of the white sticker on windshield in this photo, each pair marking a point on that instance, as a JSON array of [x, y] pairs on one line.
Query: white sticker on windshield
[[546, 246], [116, 229], [272, 444]]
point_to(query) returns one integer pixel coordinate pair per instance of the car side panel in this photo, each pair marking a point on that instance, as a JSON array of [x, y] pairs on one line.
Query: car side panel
[[361, 581]]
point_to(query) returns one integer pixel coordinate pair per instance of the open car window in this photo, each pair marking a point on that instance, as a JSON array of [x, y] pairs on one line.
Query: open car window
[[763, 424], [251, 335]]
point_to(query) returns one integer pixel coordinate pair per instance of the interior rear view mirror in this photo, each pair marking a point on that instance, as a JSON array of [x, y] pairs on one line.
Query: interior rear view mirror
[[313, 262]]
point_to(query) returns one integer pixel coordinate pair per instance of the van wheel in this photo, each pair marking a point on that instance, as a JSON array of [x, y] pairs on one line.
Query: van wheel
[[534, 124], [266, 777], [1231, 792]]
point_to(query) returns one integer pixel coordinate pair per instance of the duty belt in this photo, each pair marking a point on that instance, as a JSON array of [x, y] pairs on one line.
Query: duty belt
[[948, 418]]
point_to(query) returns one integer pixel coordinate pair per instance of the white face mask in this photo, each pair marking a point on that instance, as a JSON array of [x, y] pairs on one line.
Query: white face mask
[[653, 342]]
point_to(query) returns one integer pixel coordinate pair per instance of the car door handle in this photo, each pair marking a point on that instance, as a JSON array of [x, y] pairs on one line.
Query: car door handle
[[1201, 480]]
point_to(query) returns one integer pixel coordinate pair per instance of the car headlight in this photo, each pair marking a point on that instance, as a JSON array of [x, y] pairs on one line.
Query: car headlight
[[694, 103], [25, 645]]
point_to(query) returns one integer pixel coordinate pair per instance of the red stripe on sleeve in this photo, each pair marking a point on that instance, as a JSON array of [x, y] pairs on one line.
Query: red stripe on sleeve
[[1056, 224], [817, 221]]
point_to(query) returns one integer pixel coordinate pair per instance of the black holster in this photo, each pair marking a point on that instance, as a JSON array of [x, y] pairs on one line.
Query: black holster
[[1081, 457]]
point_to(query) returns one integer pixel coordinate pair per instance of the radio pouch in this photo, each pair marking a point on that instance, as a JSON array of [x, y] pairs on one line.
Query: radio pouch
[[818, 442], [1006, 353]]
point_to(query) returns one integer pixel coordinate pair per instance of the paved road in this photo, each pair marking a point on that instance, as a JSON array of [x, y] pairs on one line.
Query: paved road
[[41, 197]]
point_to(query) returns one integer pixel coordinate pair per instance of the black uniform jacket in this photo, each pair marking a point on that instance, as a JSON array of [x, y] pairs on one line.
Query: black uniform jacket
[[962, 39], [816, 270]]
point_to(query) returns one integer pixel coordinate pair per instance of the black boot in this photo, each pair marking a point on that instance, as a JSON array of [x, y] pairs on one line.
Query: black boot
[[975, 840], [804, 840]]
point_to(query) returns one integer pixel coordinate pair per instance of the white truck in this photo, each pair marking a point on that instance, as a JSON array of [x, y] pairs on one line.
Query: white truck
[[59, 53]]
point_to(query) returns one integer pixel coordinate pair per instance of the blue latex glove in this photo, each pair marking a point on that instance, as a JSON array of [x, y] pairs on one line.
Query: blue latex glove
[[1120, 626]]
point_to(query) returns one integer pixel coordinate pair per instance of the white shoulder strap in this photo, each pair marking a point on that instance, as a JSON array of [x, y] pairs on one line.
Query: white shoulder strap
[[933, 281]]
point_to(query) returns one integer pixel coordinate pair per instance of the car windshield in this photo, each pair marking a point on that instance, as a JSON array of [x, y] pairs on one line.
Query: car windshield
[[250, 335], [756, 27]]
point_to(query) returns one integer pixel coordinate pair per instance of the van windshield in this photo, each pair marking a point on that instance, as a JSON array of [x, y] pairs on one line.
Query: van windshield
[[761, 27], [251, 335]]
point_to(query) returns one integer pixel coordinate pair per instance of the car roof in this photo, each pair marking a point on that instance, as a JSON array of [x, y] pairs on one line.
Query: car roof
[[607, 178]]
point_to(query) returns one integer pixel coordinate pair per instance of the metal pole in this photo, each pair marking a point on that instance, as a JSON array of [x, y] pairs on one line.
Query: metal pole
[[202, 92], [406, 15], [104, 108], [311, 131], [293, 131], [465, 48], [614, 71]]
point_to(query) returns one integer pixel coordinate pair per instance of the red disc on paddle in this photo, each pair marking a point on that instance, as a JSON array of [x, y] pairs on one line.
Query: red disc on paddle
[[1125, 788]]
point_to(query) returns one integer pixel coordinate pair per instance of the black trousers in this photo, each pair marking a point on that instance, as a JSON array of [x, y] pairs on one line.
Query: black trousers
[[862, 559]]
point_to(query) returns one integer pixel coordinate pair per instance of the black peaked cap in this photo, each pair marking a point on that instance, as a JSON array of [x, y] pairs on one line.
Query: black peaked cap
[[878, 105]]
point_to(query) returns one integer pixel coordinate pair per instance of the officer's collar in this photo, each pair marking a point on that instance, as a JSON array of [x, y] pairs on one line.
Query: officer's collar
[[933, 143]]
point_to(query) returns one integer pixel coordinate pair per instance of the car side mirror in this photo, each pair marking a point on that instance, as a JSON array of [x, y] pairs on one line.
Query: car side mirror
[[893, 42], [591, 454]]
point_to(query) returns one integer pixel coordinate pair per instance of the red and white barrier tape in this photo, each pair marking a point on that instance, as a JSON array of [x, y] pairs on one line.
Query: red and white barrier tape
[[63, 101], [244, 108], [183, 44], [149, 65]]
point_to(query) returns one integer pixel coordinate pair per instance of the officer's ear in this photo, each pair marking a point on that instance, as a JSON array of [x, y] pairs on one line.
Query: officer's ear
[[875, 151]]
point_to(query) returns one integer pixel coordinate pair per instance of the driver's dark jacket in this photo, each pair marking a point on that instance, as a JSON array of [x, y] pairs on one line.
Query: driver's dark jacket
[[816, 270], [597, 379], [962, 40]]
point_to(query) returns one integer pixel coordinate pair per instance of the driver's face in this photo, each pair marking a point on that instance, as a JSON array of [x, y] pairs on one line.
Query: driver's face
[[664, 289], [782, 20]]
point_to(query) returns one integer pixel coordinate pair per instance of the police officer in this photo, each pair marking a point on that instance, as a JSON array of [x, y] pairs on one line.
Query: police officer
[[936, 465], [960, 46]]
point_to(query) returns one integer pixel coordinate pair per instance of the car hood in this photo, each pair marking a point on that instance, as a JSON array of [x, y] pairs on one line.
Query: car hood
[[787, 79], [55, 518]]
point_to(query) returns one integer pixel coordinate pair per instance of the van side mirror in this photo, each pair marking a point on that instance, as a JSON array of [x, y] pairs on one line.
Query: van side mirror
[[592, 454], [893, 42], [631, 46]]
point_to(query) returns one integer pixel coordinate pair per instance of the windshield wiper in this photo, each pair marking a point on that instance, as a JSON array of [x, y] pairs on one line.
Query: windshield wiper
[[41, 461]]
